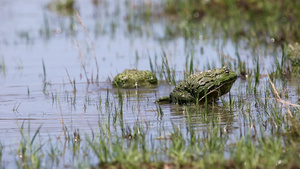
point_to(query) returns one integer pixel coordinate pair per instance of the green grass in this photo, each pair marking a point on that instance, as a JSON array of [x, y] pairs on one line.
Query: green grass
[[29, 152], [259, 23], [260, 15], [62, 7]]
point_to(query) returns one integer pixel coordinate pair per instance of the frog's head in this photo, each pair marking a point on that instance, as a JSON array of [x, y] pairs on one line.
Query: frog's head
[[224, 78]]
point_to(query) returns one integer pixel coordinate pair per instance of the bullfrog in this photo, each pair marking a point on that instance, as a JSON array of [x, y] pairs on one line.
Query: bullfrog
[[210, 84], [293, 54], [134, 78]]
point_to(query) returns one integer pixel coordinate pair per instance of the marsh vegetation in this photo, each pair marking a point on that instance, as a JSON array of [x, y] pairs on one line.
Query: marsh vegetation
[[59, 108]]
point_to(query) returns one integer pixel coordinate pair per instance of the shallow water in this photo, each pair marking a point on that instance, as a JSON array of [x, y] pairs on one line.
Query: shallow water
[[31, 35]]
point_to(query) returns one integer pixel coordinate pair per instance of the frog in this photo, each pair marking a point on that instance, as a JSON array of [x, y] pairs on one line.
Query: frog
[[134, 78], [293, 53], [202, 86]]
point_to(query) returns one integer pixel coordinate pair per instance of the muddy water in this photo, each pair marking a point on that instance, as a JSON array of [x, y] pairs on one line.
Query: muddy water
[[32, 35]]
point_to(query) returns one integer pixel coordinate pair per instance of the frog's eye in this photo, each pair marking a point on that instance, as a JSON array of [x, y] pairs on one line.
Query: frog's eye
[[226, 70]]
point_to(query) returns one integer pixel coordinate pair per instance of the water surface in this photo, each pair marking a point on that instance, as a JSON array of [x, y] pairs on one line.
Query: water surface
[[31, 35]]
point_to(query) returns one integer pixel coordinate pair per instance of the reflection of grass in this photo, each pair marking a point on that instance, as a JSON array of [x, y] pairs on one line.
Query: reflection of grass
[[2, 66]]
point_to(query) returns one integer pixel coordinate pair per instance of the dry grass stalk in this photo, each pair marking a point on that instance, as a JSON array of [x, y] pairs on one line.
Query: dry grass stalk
[[91, 42], [72, 84], [278, 99], [226, 56], [82, 62], [275, 93], [62, 121], [216, 89]]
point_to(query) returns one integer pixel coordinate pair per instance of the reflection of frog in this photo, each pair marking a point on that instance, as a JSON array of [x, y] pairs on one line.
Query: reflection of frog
[[193, 117], [293, 54], [133, 78], [210, 84]]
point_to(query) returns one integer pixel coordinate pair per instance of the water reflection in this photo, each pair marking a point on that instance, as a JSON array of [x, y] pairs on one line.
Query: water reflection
[[201, 115]]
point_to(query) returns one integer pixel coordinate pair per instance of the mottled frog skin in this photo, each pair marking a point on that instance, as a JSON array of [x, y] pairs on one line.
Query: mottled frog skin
[[133, 78], [210, 84]]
